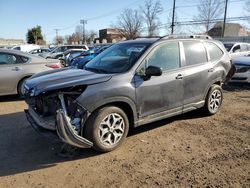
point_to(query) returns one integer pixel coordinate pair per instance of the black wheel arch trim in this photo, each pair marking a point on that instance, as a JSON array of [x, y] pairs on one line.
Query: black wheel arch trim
[[115, 101]]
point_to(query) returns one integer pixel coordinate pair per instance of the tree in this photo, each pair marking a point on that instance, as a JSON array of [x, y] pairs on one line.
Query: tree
[[59, 40], [34, 35], [150, 12], [129, 23], [208, 10], [92, 35]]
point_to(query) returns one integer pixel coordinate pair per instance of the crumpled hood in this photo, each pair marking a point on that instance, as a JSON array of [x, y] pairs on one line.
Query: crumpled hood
[[63, 78]]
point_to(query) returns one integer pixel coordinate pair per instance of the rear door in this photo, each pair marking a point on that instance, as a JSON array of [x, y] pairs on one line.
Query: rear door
[[10, 73], [196, 73], [160, 93]]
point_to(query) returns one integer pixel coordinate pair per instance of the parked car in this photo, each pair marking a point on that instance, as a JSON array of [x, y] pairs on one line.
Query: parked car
[[237, 49], [80, 61], [132, 83], [57, 52], [40, 51], [68, 55], [16, 67], [242, 69], [25, 47]]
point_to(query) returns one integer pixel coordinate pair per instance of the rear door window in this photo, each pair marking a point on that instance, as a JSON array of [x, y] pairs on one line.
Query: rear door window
[[214, 51], [195, 53]]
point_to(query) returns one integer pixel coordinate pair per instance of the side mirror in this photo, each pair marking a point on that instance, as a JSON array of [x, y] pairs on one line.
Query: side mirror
[[152, 71]]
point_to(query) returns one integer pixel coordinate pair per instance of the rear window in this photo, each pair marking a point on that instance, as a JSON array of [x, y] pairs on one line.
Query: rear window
[[243, 47], [195, 52], [24, 59], [17, 48], [214, 51]]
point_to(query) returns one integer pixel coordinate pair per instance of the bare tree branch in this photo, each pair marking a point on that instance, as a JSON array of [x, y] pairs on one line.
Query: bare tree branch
[[209, 10], [150, 12], [129, 23]]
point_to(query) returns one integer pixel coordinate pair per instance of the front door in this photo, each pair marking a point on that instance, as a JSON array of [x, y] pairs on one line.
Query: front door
[[10, 73], [160, 93]]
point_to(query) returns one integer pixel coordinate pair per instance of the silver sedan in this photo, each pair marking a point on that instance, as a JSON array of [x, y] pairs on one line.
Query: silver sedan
[[16, 67]]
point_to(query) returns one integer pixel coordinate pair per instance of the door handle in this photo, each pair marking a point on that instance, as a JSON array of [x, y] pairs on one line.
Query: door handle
[[179, 77], [211, 70], [17, 69]]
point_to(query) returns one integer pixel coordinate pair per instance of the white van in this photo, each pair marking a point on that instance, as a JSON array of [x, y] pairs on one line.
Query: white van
[[237, 49], [26, 47]]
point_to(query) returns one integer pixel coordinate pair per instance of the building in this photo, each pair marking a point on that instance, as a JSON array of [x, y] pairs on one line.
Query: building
[[231, 30], [109, 36], [10, 42]]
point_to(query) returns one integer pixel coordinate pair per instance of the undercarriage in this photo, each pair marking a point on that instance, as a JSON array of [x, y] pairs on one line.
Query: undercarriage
[[59, 114]]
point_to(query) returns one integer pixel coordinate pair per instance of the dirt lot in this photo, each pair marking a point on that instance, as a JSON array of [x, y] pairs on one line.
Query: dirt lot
[[191, 150]]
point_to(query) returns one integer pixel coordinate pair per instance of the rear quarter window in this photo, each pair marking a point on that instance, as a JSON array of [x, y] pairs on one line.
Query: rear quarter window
[[214, 51], [24, 59], [195, 53]]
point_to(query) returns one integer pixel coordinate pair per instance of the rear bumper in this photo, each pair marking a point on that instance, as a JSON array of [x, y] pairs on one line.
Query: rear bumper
[[241, 77], [63, 129]]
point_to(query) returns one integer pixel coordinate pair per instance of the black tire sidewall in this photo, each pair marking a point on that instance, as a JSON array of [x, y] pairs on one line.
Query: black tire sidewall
[[19, 87], [212, 89]]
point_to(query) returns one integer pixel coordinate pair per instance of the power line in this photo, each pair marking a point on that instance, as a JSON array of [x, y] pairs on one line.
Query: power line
[[200, 22], [113, 12]]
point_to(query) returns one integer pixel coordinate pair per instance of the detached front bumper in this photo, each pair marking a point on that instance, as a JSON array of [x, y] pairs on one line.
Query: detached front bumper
[[63, 130]]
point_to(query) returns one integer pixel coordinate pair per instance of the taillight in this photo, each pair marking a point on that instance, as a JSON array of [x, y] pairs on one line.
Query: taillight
[[54, 66]]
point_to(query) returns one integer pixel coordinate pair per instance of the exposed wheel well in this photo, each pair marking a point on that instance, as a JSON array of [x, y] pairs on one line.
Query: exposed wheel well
[[215, 83], [20, 81], [126, 108]]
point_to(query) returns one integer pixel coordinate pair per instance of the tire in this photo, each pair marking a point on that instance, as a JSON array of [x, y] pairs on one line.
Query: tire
[[20, 87], [101, 129], [214, 100], [63, 63]]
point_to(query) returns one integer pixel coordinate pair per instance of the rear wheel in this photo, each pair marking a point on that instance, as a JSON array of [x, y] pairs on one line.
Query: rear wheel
[[213, 100], [107, 128], [20, 87]]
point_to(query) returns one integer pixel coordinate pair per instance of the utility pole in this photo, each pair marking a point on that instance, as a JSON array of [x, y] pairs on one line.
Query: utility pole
[[56, 35], [172, 26], [83, 22], [224, 22]]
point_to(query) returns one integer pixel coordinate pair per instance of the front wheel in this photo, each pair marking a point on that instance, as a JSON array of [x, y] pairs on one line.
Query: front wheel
[[107, 128], [213, 100]]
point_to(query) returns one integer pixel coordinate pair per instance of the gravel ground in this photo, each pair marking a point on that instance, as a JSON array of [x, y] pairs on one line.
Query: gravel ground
[[191, 150]]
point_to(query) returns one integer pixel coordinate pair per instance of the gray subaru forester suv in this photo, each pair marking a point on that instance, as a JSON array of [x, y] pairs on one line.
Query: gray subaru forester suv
[[130, 84]]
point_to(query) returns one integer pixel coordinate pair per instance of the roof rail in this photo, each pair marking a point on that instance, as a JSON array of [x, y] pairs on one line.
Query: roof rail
[[186, 37], [146, 37]]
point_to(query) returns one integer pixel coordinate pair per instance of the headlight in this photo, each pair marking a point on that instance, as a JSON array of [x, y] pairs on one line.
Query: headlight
[[28, 92]]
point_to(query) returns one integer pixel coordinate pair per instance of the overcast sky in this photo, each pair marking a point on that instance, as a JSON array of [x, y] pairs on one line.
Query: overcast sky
[[19, 15]]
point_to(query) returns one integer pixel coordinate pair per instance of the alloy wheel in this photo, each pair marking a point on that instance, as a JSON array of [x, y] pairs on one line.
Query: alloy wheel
[[215, 100], [111, 129]]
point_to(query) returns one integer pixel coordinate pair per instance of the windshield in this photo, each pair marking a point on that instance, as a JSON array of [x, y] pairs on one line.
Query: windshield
[[117, 59], [228, 46], [58, 49]]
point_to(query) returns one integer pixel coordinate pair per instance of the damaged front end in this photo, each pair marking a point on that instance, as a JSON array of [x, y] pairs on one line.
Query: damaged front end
[[59, 114]]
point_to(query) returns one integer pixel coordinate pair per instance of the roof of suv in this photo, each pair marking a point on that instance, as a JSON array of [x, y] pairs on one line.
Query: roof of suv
[[168, 37]]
